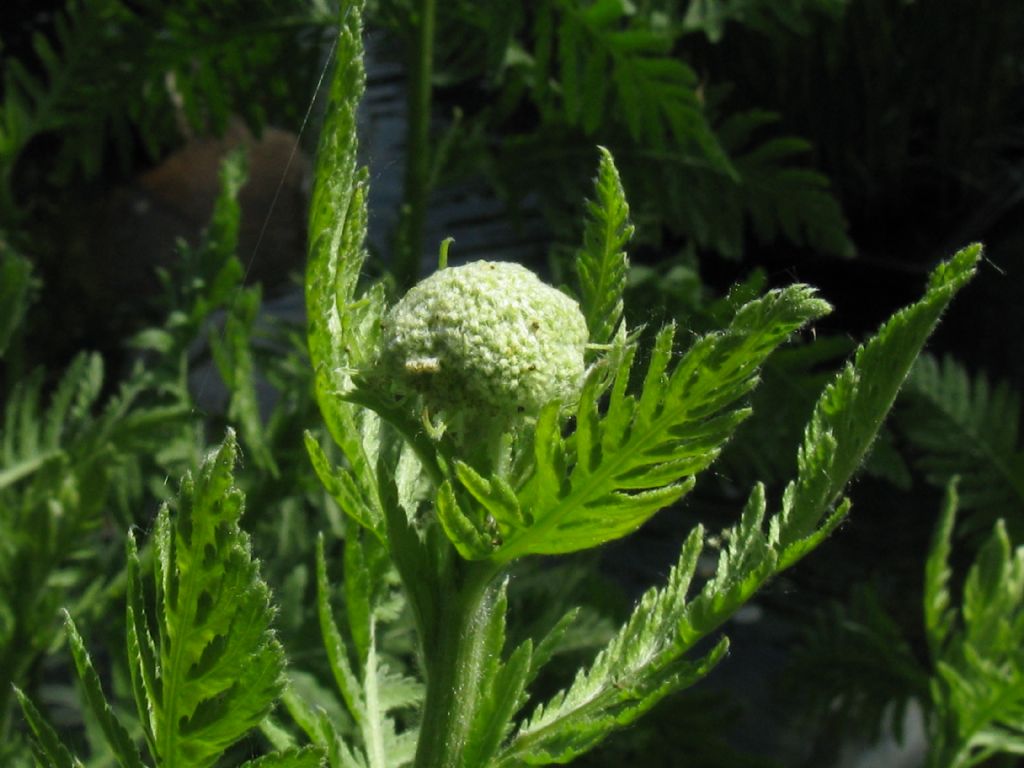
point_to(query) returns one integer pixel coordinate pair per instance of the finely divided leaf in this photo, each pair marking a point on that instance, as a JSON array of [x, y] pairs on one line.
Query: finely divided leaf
[[371, 691], [644, 662], [966, 426], [640, 666], [307, 757], [640, 453], [601, 263], [342, 329], [978, 688], [337, 224], [117, 737], [852, 408], [220, 667], [50, 752]]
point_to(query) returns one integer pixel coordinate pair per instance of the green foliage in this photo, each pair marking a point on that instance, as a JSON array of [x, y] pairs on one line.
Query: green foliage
[[640, 665], [69, 463], [977, 650], [972, 683], [712, 16], [642, 452], [771, 191], [214, 668], [49, 750], [790, 383], [419, 517], [65, 467], [603, 46], [966, 426], [209, 276], [234, 357], [218, 667], [108, 67], [848, 416], [601, 263], [370, 690], [855, 671], [632, 447], [16, 285], [340, 327], [698, 165]]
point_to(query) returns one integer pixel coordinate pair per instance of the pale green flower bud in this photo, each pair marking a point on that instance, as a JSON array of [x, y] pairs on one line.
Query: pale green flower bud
[[487, 339]]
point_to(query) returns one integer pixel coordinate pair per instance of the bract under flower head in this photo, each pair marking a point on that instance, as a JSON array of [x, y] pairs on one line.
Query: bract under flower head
[[487, 336]]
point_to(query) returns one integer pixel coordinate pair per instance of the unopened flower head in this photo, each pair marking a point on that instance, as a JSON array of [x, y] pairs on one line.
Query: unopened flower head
[[487, 336]]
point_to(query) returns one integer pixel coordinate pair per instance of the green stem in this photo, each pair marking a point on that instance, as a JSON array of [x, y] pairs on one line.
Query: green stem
[[455, 654], [417, 163]]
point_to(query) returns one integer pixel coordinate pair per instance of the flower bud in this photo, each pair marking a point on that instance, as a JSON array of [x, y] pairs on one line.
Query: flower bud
[[487, 338]]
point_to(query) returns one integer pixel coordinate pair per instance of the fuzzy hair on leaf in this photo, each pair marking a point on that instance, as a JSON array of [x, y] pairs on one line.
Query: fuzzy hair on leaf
[[641, 665]]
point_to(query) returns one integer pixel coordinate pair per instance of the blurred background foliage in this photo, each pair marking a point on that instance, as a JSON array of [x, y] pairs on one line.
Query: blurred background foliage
[[153, 175]]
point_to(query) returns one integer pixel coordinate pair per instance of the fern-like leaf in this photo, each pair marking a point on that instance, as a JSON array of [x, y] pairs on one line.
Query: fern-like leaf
[[370, 690], [773, 191], [969, 427], [605, 49], [342, 328], [642, 452], [216, 668], [640, 666], [601, 263], [49, 750], [665, 625], [978, 651], [850, 411]]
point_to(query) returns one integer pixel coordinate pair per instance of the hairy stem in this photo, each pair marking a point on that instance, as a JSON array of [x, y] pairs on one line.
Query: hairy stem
[[454, 654], [417, 163]]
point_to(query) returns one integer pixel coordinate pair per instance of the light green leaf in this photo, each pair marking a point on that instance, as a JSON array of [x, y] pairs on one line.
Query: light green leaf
[[601, 263], [117, 737], [939, 616], [337, 229], [642, 452], [852, 408], [220, 667], [467, 536], [640, 666], [337, 653], [978, 686], [501, 685], [356, 497], [142, 650], [371, 691], [306, 757]]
